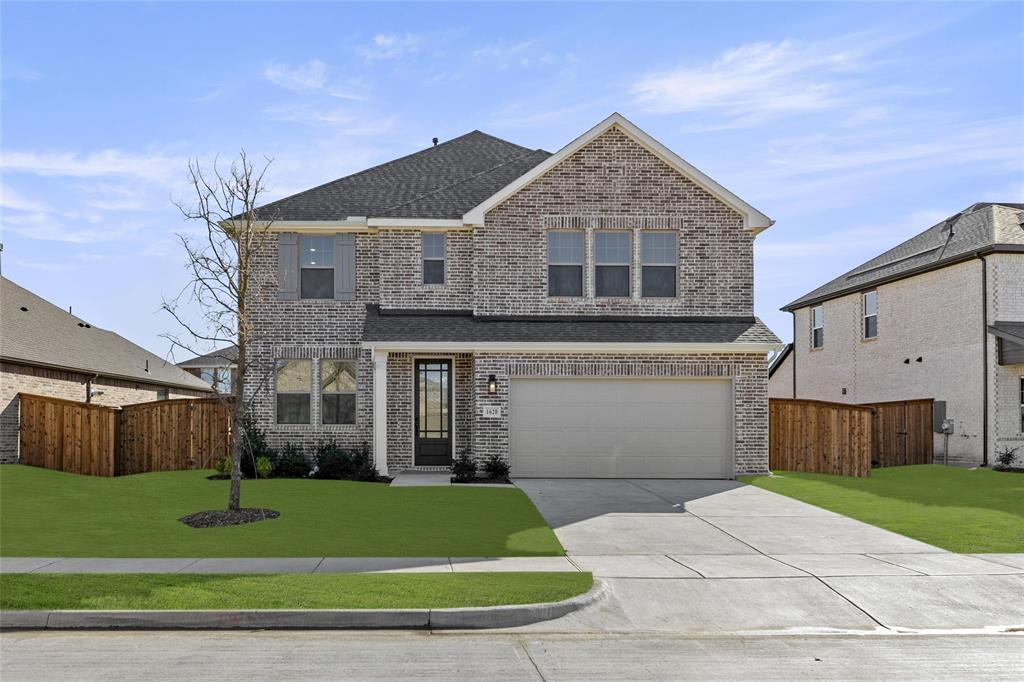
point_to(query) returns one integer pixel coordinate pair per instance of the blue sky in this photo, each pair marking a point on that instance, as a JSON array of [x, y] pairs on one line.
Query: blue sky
[[854, 126]]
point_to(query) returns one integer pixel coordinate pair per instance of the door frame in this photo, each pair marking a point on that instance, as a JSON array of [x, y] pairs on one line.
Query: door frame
[[414, 412]]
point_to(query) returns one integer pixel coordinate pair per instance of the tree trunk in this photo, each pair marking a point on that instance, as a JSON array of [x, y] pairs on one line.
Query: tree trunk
[[234, 498]]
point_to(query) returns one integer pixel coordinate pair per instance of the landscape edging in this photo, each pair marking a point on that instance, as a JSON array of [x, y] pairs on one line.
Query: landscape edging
[[303, 619]]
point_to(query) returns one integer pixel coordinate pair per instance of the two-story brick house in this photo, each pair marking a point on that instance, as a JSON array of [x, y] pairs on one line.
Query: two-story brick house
[[583, 313], [939, 316]]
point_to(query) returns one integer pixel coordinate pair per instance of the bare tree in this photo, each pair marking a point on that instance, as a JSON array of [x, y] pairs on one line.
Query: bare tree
[[221, 264]]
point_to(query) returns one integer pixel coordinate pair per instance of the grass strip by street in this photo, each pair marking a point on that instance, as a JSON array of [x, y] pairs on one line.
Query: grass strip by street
[[56, 514], [144, 591], [960, 510]]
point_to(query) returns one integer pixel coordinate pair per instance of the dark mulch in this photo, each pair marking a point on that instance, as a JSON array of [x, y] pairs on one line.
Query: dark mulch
[[1009, 470], [484, 480], [222, 517]]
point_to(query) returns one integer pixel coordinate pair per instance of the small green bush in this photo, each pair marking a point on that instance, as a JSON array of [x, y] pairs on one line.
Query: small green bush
[[496, 467], [464, 468], [336, 463], [1006, 457], [263, 467], [223, 466], [289, 463]]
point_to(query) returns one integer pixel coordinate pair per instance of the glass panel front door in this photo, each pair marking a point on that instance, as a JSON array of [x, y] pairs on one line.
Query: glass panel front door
[[432, 416]]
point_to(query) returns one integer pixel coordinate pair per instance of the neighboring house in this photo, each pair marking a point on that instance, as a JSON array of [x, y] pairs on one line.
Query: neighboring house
[[583, 313], [217, 368], [940, 316], [780, 373], [45, 350]]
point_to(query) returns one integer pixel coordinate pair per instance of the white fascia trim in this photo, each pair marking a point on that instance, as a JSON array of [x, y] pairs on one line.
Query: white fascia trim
[[567, 347], [418, 223], [753, 219]]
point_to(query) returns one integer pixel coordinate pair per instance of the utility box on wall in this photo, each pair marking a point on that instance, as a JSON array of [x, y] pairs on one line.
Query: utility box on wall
[[938, 415]]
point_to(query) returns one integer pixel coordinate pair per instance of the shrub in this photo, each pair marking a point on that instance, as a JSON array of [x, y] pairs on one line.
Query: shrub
[[254, 446], [223, 466], [464, 468], [1006, 457], [496, 467], [263, 467], [289, 463]]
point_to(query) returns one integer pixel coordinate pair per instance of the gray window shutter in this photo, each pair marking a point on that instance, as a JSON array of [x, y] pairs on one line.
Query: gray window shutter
[[288, 266], [345, 267]]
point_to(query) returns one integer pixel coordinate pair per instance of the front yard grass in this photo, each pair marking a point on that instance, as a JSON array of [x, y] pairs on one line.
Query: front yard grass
[[55, 514], [284, 591], [961, 510]]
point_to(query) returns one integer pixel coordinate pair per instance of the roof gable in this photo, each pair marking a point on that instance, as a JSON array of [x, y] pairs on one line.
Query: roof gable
[[979, 226], [753, 219]]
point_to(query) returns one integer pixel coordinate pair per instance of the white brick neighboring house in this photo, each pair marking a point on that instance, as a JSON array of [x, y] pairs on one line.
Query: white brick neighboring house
[[45, 350], [949, 326], [583, 313]]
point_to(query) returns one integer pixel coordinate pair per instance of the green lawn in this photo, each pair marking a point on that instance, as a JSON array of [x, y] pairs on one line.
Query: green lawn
[[53, 514], [285, 591], [960, 510]]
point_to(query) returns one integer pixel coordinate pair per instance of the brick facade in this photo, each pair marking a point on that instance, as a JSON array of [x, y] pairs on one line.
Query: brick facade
[[18, 378], [500, 268]]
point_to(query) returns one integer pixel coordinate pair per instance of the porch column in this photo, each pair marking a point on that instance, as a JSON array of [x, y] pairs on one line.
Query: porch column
[[380, 411]]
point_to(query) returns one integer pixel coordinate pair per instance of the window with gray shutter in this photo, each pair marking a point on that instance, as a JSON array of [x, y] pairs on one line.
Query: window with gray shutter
[[287, 266], [345, 267], [316, 266]]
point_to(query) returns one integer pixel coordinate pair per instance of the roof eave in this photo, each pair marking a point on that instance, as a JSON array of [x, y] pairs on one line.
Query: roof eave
[[953, 260], [107, 375], [569, 346]]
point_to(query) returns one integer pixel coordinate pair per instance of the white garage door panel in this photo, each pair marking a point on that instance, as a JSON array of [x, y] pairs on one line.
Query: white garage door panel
[[621, 428]]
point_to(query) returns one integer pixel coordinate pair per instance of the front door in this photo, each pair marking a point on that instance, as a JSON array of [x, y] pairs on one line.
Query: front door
[[432, 419]]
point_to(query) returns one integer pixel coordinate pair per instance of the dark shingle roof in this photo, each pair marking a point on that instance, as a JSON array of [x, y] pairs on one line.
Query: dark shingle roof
[[463, 326], [36, 332], [778, 359], [444, 181], [222, 357], [950, 240], [1011, 331]]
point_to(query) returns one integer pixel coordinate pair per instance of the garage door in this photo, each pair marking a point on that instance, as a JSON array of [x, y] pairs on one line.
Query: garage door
[[620, 428]]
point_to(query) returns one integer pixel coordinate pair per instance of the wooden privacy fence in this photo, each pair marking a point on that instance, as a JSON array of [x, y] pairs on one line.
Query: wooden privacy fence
[[173, 434], [819, 437], [84, 438], [837, 438], [66, 435]]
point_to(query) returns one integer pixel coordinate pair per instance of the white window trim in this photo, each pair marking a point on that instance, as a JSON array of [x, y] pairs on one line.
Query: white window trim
[[302, 267], [864, 315], [595, 263], [444, 261], [312, 404], [641, 263], [320, 394], [821, 327], [587, 284]]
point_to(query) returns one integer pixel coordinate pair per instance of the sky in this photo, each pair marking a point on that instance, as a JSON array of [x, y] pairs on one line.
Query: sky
[[854, 126]]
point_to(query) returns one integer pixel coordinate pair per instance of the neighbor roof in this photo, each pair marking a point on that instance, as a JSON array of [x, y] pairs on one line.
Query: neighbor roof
[[222, 357], [36, 332], [444, 181], [463, 326], [978, 228]]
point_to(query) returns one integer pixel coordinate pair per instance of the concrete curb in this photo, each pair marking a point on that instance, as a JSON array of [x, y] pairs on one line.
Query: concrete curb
[[304, 619]]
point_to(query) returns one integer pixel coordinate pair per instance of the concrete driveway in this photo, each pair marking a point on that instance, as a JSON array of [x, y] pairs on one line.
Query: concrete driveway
[[722, 556]]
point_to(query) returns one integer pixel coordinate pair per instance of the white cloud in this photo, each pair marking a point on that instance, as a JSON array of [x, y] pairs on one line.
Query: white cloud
[[12, 200], [755, 79], [391, 46], [311, 77], [47, 227], [154, 168]]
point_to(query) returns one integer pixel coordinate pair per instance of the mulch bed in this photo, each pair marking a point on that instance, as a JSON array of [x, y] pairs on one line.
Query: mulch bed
[[222, 517], [1009, 470]]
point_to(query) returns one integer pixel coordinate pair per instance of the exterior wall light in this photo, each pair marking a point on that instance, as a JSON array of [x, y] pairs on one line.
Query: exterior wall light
[[492, 385]]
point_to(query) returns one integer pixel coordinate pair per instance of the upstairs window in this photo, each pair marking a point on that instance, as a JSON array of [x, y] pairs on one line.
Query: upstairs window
[[433, 258], [660, 257], [817, 327], [293, 381], [316, 266], [337, 392], [218, 377], [870, 314], [613, 252], [565, 263]]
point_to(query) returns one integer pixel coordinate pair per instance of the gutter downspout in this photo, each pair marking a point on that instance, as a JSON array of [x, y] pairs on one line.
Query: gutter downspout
[[793, 313], [984, 356]]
